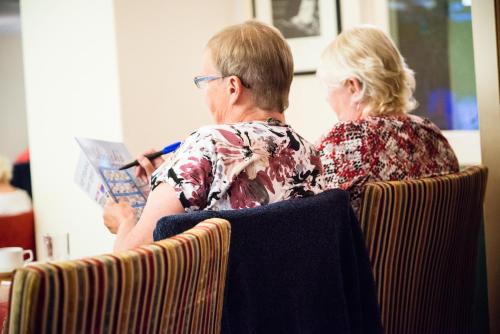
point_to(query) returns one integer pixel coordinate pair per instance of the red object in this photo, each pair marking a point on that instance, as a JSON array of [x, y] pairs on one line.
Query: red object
[[18, 231], [24, 157], [3, 313]]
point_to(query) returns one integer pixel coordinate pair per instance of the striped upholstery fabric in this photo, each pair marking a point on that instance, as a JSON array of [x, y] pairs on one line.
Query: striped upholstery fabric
[[172, 286], [422, 239]]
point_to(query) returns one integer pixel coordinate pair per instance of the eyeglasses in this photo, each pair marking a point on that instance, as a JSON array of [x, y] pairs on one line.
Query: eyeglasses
[[203, 80]]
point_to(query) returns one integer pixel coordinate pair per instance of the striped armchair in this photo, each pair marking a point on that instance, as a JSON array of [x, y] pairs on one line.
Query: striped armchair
[[422, 237], [172, 286]]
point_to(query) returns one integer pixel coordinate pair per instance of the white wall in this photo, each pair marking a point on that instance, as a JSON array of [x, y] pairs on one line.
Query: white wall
[[488, 95], [71, 83], [13, 128]]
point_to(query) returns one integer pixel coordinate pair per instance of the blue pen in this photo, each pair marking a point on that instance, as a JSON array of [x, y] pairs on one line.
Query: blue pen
[[167, 149]]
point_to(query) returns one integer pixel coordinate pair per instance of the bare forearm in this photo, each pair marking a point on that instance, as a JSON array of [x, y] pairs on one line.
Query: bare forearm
[[161, 202], [123, 241]]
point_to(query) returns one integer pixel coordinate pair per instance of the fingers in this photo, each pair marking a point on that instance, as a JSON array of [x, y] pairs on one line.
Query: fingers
[[109, 202], [114, 214], [151, 150], [147, 167], [140, 173], [157, 161], [108, 216]]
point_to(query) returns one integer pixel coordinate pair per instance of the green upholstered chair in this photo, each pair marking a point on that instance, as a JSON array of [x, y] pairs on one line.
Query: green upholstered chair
[[422, 239], [172, 286]]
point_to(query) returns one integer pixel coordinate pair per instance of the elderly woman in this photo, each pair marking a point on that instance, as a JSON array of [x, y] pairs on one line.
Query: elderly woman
[[250, 157], [13, 201], [370, 89]]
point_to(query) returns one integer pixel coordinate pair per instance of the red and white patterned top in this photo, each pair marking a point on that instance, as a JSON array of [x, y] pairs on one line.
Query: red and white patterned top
[[383, 149]]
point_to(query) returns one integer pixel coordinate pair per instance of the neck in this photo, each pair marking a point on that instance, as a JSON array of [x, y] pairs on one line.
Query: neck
[[355, 113], [5, 187], [248, 114]]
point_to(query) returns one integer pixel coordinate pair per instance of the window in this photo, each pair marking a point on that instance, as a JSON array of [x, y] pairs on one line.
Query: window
[[435, 37]]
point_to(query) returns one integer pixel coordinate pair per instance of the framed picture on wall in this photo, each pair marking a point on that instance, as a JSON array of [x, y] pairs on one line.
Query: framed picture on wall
[[308, 26]]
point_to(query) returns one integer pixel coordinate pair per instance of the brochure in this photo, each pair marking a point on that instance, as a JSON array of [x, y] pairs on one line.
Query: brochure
[[98, 174]]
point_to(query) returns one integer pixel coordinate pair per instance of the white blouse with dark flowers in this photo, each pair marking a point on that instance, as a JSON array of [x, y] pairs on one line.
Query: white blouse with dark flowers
[[241, 165]]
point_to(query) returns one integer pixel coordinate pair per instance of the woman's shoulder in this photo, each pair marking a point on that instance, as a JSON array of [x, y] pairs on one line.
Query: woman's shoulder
[[22, 195], [408, 126], [423, 122], [381, 124], [15, 202], [411, 126], [242, 134], [220, 131], [208, 135], [344, 131], [372, 129]]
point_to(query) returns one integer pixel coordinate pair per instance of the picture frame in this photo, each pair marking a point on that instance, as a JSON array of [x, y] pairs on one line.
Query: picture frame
[[307, 25]]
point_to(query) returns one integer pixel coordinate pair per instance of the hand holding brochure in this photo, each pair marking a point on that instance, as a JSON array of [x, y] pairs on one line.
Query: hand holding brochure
[[98, 174]]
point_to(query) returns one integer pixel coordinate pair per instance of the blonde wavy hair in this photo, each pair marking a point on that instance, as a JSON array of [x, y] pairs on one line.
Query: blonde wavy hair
[[5, 170], [367, 54]]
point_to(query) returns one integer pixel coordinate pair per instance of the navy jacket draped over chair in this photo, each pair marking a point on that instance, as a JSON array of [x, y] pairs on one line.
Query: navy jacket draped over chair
[[297, 266]]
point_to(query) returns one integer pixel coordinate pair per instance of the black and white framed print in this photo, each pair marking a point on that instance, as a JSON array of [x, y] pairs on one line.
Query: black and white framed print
[[307, 25]]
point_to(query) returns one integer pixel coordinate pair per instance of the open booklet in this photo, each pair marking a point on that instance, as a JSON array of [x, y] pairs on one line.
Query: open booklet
[[97, 174]]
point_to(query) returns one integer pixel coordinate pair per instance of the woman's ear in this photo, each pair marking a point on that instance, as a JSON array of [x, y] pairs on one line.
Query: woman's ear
[[354, 86], [235, 88]]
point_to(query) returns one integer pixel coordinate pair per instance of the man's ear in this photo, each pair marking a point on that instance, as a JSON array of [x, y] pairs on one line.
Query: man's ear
[[235, 88], [354, 86]]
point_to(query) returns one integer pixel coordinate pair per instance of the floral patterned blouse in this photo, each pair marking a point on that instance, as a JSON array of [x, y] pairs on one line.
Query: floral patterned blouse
[[241, 165], [382, 149]]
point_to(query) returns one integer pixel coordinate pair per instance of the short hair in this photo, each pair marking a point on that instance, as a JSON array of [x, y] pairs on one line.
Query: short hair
[[259, 55], [5, 170], [367, 54]]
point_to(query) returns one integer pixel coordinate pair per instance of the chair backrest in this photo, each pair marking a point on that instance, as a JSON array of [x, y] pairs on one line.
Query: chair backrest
[[422, 237], [18, 231], [297, 266], [172, 286]]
